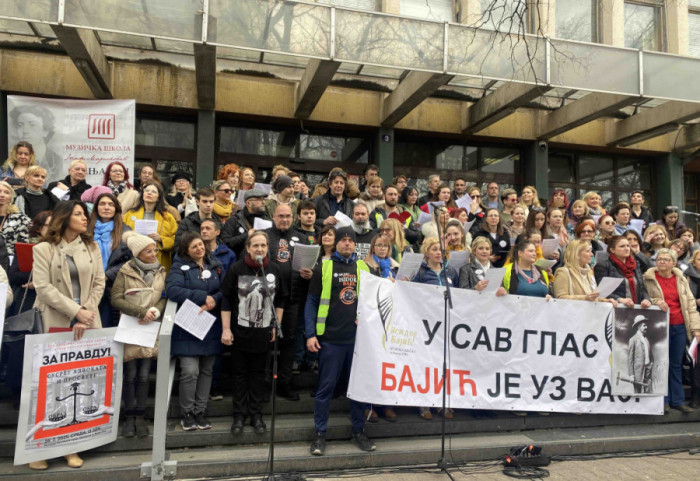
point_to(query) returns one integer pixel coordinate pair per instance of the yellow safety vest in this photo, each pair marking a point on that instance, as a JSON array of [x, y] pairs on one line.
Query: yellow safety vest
[[325, 301]]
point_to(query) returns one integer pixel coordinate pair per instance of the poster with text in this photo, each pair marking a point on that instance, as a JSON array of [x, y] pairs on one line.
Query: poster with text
[[60, 131], [71, 393]]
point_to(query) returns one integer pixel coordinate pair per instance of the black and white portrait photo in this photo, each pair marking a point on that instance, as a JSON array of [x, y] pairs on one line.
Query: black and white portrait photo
[[254, 308], [640, 352]]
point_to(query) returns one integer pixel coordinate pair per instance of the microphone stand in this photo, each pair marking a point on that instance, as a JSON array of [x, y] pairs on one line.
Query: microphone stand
[[278, 335], [442, 463]]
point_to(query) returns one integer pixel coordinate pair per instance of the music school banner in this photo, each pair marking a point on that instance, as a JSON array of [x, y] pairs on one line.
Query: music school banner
[[504, 353], [71, 393], [98, 131]]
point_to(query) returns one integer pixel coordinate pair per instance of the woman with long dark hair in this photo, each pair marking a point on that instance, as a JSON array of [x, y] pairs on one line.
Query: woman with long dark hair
[[326, 239], [408, 200], [492, 229], [671, 222]]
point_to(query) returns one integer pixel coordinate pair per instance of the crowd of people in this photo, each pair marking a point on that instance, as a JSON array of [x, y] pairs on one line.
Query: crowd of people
[[228, 248]]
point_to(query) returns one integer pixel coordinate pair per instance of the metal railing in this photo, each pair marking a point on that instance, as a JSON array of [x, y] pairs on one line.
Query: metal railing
[[160, 467]]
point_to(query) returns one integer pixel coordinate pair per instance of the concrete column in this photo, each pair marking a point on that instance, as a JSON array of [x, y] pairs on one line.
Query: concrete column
[[206, 147], [469, 12], [669, 182], [544, 20], [536, 167], [677, 26], [611, 15], [4, 151], [384, 154], [390, 6]]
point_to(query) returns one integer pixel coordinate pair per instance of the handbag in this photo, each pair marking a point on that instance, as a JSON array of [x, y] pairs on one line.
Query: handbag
[[27, 322]]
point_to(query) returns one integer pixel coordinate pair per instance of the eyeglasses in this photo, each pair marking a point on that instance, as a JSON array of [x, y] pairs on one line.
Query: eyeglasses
[[476, 197], [663, 259], [376, 246], [587, 231], [385, 229], [228, 191]]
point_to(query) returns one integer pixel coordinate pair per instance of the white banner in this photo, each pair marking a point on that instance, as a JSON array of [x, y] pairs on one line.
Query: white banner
[[98, 131], [505, 353], [71, 392]]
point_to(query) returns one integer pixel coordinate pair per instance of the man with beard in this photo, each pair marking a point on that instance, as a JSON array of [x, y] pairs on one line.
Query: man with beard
[[640, 356], [459, 189], [240, 226], [382, 211], [363, 229]]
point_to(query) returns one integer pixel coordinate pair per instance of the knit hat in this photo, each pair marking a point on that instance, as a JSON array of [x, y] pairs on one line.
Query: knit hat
[[180, 175], [281, 183], [343, 232], [137, 242], [93, 193]]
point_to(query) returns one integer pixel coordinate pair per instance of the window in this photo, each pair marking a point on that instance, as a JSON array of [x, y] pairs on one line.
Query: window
[[643, 26], [430, 10], [162, 133], [694, 28], [356, 4], [576, 20], [505, 15]]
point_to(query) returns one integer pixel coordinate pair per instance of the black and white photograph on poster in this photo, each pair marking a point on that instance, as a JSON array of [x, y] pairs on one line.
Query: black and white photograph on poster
[[254, 308], [71, 393], [640, 352]]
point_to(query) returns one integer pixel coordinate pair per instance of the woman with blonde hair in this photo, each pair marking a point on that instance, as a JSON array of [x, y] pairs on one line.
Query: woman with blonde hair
[[393, 230], [575, 279], [593, 200], [224, 207], [577, 212], [374, 193], [21, 157], [74, 184], [33, 198], [14, 226], [472, 275], [529, 198], [655, 238], [456, 237], [247, 179], [430, 229]]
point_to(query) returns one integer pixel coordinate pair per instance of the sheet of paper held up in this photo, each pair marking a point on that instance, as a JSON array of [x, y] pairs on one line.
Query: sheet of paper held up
[[264, 187], [549, 246], [600, 256], [189, 318], [61, 194], [410, 263], [545, 263], [458, 259], [343, 220], [637, 225], [424, 218], [495, 276], [304, 257], [465, 202], [261, 224], [129, 331], [607, 285], [145, 226], [693, 350]]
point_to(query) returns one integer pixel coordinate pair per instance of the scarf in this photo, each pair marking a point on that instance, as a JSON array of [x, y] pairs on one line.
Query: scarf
[[250, 262], [146, 271], [103, 237], [384, 266], [29, 191], [627, 269], [223, 210], [117, 189], [530, 280], [344, 260]]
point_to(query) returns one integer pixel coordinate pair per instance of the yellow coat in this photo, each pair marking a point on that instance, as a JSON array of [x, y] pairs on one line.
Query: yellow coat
[[167, 227]]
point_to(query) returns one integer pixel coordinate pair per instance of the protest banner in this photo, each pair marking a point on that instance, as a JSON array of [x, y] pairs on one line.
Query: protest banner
[[71, 393], [60, 130], [505, 353]]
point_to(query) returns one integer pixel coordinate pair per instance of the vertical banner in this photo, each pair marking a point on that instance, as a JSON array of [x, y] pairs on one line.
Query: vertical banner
[[71, 392], [507, 353], [97, 131]]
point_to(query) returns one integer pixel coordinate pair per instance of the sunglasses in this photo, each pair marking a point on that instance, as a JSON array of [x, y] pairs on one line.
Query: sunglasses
[[587, 231], [228, 191]]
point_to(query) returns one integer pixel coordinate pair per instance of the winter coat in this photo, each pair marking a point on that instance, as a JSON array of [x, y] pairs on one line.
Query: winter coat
[[15, 229], [54, 292], [167, 227], [235, 231], [133, 297], [225, 256], [116, 260], [74, 191], [567, 286], [191, 223], [128, 199], [606, 268], [185, 282], [323, 207], [645, 215], [500, 246], [471, 274], [271, 204], [685, 295], [31, 204], [426, 275], [690, 273]]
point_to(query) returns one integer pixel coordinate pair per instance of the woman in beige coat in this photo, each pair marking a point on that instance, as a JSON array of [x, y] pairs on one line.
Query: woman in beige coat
[[69, 279], [668, 288], [575, 280]]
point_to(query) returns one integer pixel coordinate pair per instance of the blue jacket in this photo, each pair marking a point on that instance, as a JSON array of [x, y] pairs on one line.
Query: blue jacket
[[185, 282], [225, 256], [426, 275]]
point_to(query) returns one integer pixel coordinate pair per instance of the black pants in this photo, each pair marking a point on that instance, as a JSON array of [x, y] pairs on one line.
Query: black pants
[[286, 344], [248, 382]]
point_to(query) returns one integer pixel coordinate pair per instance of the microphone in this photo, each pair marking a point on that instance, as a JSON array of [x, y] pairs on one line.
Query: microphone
[[685, 212], [259, 260], [435, 205]]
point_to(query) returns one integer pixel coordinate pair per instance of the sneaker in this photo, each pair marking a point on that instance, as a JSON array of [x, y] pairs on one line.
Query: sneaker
[[425, 413], [362, 441], [202, 422], [449, 413], [390, 415], [318, 445], [683, 408], [188, 423], [216, 395]]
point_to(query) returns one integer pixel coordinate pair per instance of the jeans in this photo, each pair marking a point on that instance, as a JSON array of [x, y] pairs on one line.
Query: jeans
[[195, 383], [676, 350], [135, 390], [334, 360]]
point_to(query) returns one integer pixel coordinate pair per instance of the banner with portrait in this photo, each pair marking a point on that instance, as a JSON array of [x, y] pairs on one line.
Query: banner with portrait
[[71, 392], [504, 353], [60, 131]]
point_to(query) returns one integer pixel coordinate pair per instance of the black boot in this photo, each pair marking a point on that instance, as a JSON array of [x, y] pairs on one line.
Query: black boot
[[141, 427], [285, 391], [258, 425], [237, 426], [129, 429]]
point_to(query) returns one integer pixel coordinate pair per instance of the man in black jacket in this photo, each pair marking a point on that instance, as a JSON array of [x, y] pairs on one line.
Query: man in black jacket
[[433, 190], [282, 239], [205, 198], [238, 227], [334, 200]]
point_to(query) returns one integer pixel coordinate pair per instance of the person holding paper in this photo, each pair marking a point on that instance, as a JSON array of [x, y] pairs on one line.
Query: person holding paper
[[455, 238], [138, 291], [622, 264], [472, 275], [181, 194], [205, 198], [333, 200], [74, 183], [394, 232], [575, 279], [69, 278], [240, 225], [152, 206], [248, 305], [493, 230], [196, 276], [639, 210], [621, 214], [33, 198], [107, 227], [556, 228], [669, 290]]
